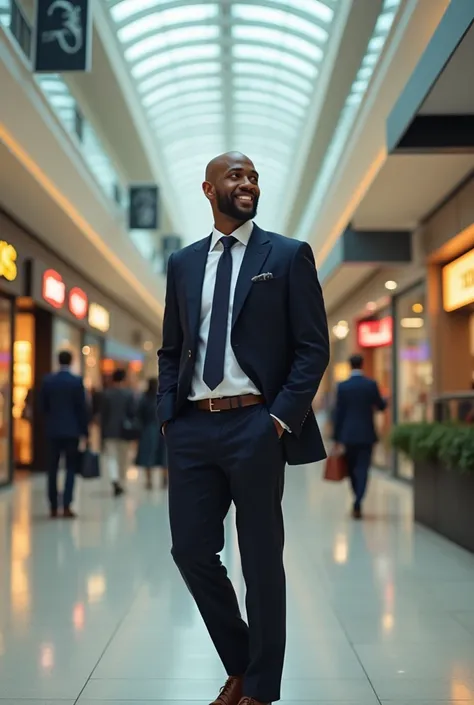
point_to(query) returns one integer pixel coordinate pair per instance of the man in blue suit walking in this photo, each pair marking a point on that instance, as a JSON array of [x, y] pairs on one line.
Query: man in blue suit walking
[[63, 403], [357, 400]]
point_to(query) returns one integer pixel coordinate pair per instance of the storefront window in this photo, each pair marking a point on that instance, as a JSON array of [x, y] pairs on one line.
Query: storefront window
[[67, 337], [92, 352], [382, 373], [5, 387], [23, 386], [414, 366]]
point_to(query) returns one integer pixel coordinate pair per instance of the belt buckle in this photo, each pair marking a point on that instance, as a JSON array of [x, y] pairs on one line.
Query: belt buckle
[[211, 407]]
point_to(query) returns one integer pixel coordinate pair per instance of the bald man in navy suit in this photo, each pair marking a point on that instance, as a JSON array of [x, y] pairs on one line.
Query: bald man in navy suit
[[245, 345]]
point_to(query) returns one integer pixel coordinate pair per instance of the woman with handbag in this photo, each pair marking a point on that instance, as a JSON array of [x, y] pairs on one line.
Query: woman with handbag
[[118, 426], [151, 447]]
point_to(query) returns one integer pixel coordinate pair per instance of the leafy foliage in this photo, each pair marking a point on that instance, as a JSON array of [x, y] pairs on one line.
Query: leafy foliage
[[449, 444]]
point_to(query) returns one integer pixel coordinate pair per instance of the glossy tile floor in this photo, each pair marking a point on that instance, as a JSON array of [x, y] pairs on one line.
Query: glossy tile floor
[[94, 611]]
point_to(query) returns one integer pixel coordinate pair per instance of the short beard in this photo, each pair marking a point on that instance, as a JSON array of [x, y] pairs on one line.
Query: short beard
[[227, 206]]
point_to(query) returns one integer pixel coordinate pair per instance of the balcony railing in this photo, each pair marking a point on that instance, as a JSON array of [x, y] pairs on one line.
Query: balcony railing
[[13, 17], [66, 108], [69, 113]]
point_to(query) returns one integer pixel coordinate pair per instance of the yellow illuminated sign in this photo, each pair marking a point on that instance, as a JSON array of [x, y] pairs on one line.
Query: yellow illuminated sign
[[8, 257], [99, 317], [458, 282]]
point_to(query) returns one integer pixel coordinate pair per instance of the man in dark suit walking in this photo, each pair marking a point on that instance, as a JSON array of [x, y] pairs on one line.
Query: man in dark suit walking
[[354, 429], [245, 345], [63, 403]]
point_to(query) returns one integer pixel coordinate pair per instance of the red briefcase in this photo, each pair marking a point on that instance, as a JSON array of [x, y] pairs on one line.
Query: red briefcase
[[336, 468]]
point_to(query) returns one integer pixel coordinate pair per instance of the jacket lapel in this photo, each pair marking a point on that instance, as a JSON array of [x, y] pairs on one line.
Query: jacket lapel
[[196, 268], [257, 251]]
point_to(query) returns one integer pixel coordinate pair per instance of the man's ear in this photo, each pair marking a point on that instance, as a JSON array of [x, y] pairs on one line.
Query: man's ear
[[208, 190]]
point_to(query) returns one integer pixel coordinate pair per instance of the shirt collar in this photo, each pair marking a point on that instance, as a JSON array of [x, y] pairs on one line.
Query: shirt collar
[[357, 373], [242, 234]]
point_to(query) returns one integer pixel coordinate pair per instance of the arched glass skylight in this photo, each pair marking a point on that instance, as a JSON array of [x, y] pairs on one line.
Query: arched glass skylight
[[218, 75]]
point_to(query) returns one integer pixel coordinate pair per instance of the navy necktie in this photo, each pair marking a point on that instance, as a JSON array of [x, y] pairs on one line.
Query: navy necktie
[[213, 373]]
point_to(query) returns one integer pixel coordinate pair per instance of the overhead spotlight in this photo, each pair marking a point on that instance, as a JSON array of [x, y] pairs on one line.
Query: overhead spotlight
[[341, 330], [371, 306], [391, 285], [86, 350], [417, 308]]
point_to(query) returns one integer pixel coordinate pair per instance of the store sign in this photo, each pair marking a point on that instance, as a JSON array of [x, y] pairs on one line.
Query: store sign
[[458, 282], [8, 258], [54, 289], [375, 334], [78, 302], [99, 317]]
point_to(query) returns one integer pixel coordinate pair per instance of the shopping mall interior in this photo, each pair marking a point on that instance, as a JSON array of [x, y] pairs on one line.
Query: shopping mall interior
[[359, 117]]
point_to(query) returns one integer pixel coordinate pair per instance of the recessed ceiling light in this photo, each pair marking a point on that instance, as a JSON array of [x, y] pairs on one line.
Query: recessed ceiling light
[[391, 285], [412, 322], [417, 308], [371, 306]]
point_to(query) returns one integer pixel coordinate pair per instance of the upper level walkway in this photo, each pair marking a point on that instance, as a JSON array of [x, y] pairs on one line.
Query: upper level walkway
[[94, 610]]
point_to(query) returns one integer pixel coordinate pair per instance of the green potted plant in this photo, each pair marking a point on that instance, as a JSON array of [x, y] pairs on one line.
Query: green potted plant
[[443, 456]]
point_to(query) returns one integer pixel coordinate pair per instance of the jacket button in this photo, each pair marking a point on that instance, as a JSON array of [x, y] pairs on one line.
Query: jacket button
[[189, 353]]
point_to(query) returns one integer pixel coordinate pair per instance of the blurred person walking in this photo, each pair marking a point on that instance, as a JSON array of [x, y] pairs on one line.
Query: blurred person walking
[[151, 446], [117, 409], [245, 345], [357, 400], [63, 403]]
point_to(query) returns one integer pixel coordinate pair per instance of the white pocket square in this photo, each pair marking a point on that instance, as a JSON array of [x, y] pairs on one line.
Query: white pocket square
[[262, 277]]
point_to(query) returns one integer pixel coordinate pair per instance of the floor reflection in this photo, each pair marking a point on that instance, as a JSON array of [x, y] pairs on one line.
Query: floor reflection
[[97, 607]]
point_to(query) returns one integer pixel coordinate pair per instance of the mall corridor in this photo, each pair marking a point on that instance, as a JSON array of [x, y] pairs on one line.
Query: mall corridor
[[94, 611]]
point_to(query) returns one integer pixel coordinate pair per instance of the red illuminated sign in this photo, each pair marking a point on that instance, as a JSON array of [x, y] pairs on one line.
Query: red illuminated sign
[[54, 289], [78, 302], [375, 334]]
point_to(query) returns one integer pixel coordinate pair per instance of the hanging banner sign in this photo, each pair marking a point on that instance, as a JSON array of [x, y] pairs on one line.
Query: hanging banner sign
[[143, 213], [63, 36]]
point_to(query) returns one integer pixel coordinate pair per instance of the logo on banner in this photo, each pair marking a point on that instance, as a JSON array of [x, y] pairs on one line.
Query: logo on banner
[[8, 265], [63, 35], [54, 289], [70, 35], [375, 334], [143, 208], [78, 302]]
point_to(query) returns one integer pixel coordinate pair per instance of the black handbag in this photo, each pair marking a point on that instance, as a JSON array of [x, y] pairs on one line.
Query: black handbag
[[131, 430], [89, 464]]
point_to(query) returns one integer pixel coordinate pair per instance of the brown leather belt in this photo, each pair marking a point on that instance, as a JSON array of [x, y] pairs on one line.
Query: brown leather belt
[[228, 403]]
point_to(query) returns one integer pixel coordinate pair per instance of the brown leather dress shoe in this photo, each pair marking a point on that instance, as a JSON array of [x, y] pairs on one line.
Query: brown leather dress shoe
[[231, 692], [251, 701], [68, 513]]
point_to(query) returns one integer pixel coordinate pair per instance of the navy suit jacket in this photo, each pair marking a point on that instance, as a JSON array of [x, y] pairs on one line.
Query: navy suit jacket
[[279, 333], [357, 399], [63, 403]]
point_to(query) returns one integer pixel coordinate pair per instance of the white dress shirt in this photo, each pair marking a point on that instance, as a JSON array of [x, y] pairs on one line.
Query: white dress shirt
[[235, 382]]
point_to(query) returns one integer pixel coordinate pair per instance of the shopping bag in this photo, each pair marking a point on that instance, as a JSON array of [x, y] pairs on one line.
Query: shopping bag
[[89, 465], [336, 468]]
